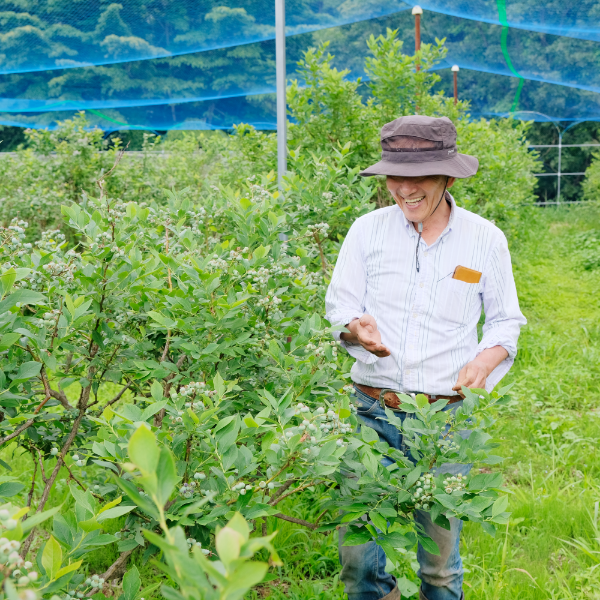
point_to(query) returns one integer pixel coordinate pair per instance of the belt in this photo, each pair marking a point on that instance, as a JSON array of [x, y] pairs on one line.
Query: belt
[[393, 401]]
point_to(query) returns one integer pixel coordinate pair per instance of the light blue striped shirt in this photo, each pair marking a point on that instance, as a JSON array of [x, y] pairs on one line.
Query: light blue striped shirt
[[428, 320]]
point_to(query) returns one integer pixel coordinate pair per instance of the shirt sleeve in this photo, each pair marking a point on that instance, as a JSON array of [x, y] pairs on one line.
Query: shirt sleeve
[[503, 317], [346, 293]]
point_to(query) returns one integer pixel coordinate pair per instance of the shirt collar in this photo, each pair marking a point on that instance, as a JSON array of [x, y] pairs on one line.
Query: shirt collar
[[411, 230]]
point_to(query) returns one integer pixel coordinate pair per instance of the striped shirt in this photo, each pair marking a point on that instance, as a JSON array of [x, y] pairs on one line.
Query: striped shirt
[[427, 319]]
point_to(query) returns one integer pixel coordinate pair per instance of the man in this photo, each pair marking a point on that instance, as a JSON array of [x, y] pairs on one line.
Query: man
[[409, 285]]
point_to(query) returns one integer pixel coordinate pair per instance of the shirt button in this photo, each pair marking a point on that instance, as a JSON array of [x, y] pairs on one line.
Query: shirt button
[[415, 315], [421, 284], [408, 371]]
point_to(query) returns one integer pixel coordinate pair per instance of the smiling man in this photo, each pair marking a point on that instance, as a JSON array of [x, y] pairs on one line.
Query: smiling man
[[409, 286]]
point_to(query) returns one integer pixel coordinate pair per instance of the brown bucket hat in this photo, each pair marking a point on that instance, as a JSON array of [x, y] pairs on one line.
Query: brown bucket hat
[[417, 145]]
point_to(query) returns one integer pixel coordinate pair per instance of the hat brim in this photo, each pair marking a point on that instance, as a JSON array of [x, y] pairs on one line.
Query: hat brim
[[460, 166]]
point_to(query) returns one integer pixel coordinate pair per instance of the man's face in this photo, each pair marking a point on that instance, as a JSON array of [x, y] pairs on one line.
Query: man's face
[[417, 196]]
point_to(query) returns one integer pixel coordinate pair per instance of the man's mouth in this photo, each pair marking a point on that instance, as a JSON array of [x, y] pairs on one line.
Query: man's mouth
[[413, 202]]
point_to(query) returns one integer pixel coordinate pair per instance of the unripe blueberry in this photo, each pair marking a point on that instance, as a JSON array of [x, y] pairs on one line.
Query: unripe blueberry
[[54, 451], [10, 524], [75, 457], [32, 576], [262, 484], [4, 514], [23, 580], [271, 485], [243, 492], [27, 565]]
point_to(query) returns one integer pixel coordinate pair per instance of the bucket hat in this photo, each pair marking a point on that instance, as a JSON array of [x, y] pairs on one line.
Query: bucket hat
[[417, 145]]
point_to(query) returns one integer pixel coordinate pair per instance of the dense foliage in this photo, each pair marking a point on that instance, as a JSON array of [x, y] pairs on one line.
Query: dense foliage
[[329, 114]]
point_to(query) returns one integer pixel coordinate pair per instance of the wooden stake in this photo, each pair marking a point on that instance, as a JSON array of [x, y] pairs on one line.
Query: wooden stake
[[455, 70]]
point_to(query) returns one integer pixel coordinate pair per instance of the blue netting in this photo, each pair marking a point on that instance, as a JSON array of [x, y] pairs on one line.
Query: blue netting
[[557, 17], [516, 68], [36, 36]]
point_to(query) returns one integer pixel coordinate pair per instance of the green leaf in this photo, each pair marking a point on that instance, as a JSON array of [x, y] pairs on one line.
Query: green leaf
[[228, 543], [412, 477], [261, 252], [369, 435], [160, 318], [69, 568], [10, 488], [6, 281], [246, 576], [406, 587], [151, 410], [378, 521], [357, 538], [143, 450], [113, 513], [52, 558], [28, 370], [429, 545], [157, 392], [499, 506], [22, 296], [38, 518], [131, 584], [7, 340], [167, 475]]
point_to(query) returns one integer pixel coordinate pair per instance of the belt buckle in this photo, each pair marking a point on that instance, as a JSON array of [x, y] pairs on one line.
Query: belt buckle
[[382, 394]]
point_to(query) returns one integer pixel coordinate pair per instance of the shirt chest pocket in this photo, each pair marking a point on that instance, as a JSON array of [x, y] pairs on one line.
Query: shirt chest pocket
[[455, 300]]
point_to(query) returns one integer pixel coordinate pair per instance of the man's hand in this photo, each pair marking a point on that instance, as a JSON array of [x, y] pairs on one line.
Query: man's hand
[[364, 331], [475, 373]]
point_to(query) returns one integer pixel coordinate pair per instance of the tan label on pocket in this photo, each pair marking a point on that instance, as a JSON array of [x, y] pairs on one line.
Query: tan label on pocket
[[467, 275]]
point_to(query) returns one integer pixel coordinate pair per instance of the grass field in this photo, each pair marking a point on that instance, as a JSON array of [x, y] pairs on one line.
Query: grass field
[[548, 434]]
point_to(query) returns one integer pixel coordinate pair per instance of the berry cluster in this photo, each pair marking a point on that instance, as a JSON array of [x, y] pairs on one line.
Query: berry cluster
[[320, 349], [94, 582], [18, 569], [78, 461], [447, 444], [192, 542], [318, 229], [423, 494], [456, 483], [218, 263]]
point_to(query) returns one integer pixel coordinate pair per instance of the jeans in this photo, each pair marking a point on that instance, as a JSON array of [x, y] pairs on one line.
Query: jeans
[[363, 567]]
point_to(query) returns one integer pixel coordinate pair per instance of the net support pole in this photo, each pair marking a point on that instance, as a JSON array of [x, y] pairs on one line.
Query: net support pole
[[417, 11], [559, 167], [455, 70], [281, 90]]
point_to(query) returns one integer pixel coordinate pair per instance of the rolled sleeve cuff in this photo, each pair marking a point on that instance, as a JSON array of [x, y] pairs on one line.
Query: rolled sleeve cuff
[[339, 319], [354, 350], [504, 367]]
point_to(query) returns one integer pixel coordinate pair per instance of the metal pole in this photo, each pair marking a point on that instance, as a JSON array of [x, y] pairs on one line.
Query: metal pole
[[417, 11], [455, 70], [281, 90], [559, 167]]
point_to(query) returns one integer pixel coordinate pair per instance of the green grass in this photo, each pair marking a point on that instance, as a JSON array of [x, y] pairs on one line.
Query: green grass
[[549, 435]]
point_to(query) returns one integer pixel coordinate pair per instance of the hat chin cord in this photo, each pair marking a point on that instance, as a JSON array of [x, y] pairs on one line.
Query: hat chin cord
[[420, 226]]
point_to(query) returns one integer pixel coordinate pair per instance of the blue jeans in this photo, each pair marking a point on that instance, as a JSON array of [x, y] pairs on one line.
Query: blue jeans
[[363, 567]]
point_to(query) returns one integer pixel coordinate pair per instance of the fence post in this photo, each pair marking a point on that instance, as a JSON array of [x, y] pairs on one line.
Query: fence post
[[455, 70], [281, 90], [417, 11]]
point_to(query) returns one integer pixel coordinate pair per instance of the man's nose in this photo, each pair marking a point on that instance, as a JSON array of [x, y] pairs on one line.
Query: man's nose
[[406, 188]]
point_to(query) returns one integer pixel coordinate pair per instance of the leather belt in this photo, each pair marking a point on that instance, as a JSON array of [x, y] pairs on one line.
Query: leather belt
[[393, 401]]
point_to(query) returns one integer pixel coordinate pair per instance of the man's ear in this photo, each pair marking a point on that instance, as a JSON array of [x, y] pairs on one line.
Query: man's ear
[[450, 183]]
